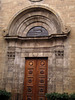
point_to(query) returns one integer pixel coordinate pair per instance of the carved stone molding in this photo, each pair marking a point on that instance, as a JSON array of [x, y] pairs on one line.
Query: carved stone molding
[[35, 0], [52, 36], [36, 17]]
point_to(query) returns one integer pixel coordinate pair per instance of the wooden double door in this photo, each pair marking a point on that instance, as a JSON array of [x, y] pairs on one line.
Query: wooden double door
[[35, 84]]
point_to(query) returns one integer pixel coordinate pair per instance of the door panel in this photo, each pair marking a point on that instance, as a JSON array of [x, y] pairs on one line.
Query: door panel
[[35, 84]]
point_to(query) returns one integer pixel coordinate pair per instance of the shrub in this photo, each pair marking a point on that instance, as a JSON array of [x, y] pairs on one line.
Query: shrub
[[52, 96], [72, 96], [63, 96], [59, 96], [4, 95]]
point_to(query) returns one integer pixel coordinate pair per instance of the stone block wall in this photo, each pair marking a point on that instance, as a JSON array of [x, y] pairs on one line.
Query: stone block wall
[[66, 11]]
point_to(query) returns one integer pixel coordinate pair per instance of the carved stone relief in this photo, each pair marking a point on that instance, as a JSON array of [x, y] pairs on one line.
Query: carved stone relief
[[35, 0], [35, 17], [24, 46]]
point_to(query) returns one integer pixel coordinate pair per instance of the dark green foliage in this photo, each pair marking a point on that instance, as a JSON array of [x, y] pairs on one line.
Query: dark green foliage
[[4, 95], [59, 96], [72, 96], [51, 96], [63, 96]]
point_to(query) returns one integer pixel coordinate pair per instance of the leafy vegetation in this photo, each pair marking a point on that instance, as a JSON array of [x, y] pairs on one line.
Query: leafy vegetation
[[59, 96], [4, 95], [72, 96]]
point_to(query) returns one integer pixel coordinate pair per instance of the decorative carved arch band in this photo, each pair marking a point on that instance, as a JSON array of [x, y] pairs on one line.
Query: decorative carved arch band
[[35, 16]]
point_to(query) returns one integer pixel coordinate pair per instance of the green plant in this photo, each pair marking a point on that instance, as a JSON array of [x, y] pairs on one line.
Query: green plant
[[57, 96], [52, 96], [4, 95], [64, 96], [72, 96]]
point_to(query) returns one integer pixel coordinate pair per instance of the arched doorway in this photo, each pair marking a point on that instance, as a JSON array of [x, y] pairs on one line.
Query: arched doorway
[[35, 33]]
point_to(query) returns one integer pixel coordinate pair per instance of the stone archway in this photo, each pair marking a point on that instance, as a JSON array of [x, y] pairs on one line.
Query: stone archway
[[35, 16], [20, 46]]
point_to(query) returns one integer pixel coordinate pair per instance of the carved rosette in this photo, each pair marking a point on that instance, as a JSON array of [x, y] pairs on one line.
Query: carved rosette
[[31, 63]]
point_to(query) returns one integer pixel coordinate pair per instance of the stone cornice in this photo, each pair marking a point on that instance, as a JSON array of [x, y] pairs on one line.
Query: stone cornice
[[52, 36]]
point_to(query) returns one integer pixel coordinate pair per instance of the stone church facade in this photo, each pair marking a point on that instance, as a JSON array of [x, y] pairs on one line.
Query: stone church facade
[[37, 47]]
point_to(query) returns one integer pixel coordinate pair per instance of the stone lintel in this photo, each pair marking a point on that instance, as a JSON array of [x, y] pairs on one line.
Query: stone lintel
[[52, 36]]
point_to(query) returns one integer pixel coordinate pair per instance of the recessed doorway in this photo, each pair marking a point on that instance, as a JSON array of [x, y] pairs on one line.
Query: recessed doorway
[[35, 84]]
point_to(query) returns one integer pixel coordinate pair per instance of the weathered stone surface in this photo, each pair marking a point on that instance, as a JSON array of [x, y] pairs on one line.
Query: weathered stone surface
[[60, 52]]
